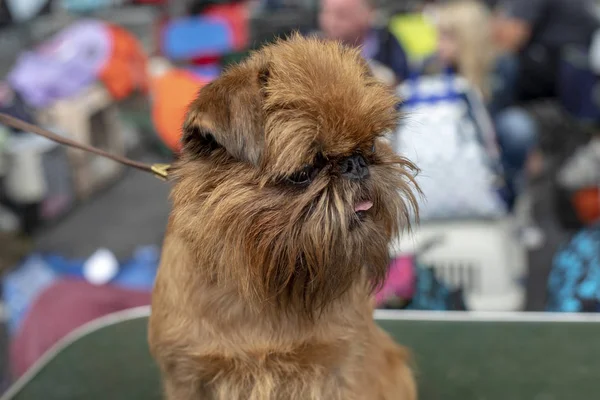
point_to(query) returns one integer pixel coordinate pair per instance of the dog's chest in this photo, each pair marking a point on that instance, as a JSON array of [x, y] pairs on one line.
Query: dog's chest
[[284, 383], [297, 375]]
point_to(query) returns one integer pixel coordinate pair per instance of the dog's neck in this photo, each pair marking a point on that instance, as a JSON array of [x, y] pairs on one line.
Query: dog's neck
[[221, 311]]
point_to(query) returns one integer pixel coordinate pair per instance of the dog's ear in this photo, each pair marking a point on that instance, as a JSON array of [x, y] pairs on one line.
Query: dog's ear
[[228, 115]]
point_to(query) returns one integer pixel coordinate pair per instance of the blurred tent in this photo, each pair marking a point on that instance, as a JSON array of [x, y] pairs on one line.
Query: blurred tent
[[458, 356]]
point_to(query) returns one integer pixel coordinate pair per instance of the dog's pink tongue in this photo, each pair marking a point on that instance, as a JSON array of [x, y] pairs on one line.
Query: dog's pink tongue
[[363, 206]]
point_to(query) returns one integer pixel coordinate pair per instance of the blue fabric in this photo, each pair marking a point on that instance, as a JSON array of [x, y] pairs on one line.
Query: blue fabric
[[517, 134], [36, 273], [430, 294], [21, 287], [136, 273], [449, 94], [574, 281], [192, 37]]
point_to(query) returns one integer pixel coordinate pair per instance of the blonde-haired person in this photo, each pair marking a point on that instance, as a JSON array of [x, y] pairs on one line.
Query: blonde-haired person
[[466, 48], [464, 40]]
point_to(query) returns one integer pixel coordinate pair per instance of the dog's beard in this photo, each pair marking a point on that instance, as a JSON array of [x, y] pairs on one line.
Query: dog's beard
[[295, 249]]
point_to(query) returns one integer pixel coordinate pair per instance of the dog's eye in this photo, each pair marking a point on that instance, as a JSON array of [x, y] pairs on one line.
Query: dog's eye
[[304, 176], [373, 147]]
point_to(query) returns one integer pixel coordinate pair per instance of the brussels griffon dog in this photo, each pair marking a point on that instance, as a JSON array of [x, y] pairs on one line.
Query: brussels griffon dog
[[284, 201]]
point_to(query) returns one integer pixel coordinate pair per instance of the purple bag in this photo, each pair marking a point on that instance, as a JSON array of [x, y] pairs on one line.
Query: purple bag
[[62, 66]]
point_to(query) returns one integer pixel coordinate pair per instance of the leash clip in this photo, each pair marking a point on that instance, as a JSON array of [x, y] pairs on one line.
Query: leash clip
[[161, 171]]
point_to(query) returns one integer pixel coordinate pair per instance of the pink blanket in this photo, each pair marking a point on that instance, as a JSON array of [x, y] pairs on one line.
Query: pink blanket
[[61, 308]]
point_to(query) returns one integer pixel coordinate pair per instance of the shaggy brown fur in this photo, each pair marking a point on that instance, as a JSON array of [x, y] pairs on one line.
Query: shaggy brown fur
[[264, 287]]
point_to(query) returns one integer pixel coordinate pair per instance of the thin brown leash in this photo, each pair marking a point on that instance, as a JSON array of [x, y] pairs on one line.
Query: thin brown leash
[[161, 171]]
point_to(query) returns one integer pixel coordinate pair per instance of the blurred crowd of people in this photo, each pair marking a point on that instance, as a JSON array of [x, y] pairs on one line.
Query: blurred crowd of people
[[501, 109], [517, 53]]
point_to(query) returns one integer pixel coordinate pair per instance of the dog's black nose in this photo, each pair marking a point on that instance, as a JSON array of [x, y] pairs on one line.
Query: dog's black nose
[[354, 167]]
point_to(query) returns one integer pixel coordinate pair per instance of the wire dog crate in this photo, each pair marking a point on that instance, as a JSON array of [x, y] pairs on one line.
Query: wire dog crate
[[483, 258]]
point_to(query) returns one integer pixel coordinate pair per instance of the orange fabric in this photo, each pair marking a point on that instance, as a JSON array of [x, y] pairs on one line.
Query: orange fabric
[[125, 71], [587, 205], [172, 93]]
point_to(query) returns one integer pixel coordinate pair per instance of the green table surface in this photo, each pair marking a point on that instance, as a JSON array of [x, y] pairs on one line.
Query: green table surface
[[503, 360], [454, 359]]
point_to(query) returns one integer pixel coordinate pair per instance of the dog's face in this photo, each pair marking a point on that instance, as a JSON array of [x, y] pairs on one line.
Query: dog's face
[[285, 187]]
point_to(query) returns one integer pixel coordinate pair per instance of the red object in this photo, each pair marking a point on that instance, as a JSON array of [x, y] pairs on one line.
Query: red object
[[237, 16], [61, 308], [587, 205], [125, 70]]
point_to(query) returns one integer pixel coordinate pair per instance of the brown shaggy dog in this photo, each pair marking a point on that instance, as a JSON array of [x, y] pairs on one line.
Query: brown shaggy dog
[[284, 202]]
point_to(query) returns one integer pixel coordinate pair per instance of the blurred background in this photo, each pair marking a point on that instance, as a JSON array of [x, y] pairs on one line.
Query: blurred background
[[501, 111]]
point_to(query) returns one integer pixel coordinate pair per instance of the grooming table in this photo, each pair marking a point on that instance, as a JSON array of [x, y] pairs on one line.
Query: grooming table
[[462, 356], [500, 356]]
